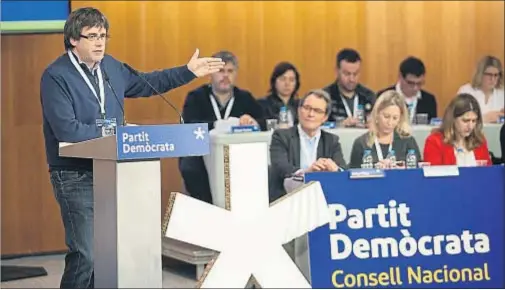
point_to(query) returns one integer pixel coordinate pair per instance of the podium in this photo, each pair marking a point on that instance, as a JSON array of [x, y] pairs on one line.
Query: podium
[[127, 198]]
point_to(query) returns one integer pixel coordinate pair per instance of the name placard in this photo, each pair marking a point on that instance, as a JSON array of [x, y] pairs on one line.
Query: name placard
[[162, 141], [244, 129], [366, 173]]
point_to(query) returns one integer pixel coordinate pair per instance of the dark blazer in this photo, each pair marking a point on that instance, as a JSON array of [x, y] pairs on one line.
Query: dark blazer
[[426, 105], [272, 104], [366, 97], [198, 108], [285, 156]]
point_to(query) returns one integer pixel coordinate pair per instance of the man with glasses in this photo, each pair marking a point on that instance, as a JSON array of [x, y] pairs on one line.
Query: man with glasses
[[78, 96], [410, 82], [305, 148]]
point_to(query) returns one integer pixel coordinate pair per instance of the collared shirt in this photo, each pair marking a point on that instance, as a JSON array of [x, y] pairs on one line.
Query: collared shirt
[[408, 100], [494, 103], [308, 148], [83, 65], [411, 102], [90, 73]]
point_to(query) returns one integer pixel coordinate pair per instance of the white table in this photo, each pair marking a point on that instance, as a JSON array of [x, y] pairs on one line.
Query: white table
[[215, 160]]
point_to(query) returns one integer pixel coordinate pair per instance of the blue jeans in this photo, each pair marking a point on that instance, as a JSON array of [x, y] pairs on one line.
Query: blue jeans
[[74, 193]]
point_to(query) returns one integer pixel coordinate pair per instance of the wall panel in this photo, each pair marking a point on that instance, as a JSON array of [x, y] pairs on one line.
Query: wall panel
[[450, 36]]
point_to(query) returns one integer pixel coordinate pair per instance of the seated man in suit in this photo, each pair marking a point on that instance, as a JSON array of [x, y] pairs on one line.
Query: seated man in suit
[[219, 100], [347, 93], [305, 147], [410, 82]]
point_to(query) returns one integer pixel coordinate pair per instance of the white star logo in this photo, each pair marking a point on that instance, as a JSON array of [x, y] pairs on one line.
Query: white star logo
[[248, 233], [199, 133]]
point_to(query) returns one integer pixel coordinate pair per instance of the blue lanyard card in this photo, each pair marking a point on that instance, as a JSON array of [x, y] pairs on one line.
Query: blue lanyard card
[[108, 126]]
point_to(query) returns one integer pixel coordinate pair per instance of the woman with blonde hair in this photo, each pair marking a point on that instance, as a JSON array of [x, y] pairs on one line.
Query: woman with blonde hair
[[459, 140], [487, 88], [388, 138]]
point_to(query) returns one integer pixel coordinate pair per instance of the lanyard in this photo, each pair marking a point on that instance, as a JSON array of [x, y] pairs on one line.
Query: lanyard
[[412, 110], [101, 99], [216, 109], [379, 151], [347, 109]]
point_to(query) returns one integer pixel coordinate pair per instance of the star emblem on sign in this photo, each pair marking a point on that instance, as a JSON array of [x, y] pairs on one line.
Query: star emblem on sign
[[249, 232], [199, 133]]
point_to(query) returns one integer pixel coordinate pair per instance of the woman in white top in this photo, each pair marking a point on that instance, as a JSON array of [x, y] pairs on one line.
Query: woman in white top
[[487, 88]]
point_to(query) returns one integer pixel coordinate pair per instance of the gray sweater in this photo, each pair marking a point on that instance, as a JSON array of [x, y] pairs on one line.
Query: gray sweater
[[400, 145]]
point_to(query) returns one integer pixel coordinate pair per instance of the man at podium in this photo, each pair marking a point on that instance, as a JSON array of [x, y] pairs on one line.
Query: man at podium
[[82, 96]]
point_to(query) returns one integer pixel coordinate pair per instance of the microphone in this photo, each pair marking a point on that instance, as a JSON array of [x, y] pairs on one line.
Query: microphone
[[155, 90], [106, 77]]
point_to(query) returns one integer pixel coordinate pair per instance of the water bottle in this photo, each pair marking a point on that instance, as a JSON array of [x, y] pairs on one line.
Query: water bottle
[[367, 161], [411, 160], [392, 157], [283, 117], [360, 114], [291, 119]]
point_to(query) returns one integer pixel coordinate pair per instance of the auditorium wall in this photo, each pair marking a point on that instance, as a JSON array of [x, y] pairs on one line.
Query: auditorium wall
[[449, 36]]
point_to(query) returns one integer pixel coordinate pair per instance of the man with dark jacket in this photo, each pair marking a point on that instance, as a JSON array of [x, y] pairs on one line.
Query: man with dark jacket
[[216, 101], [347, 94], [305, 147], [410, 81]]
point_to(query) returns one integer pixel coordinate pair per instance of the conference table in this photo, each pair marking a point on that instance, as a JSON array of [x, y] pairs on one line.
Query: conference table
[[214, 162]]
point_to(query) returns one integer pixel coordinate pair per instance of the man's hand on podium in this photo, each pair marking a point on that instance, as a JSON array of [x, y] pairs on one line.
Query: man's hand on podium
[[205, 65], [247, 120]]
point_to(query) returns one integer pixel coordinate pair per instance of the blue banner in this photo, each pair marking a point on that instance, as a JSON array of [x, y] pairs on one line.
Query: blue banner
[[408, 231], [162, 141], [34, 10]]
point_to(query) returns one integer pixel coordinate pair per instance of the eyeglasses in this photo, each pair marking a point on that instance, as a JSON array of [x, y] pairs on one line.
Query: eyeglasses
[[492, 75], [95, 37], [308, 108], [414, 84]]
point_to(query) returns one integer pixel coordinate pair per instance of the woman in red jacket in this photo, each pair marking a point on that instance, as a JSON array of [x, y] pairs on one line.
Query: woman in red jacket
[[459, 140]]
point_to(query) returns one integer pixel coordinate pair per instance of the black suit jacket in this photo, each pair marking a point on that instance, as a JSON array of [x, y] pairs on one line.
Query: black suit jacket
[[285, 156], [426, 105], [198, 108], [272, 104]]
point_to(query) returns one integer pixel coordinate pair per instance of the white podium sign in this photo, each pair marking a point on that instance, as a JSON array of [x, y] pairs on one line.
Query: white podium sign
[[249, 232]]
